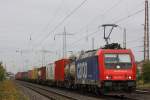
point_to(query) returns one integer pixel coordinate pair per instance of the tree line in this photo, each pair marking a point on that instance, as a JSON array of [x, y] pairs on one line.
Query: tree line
[[2, 72], [146, 72], [145, 76]]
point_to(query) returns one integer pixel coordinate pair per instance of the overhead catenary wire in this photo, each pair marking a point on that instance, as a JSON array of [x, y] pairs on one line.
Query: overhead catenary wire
[[109, 9], [52, 19], [113, 6], [122, 19], [55, 14], [78, 40], [106, 10], [137, 46], [73, 43], [141, 3], [134, 40], [126, 17], [130, 15], [97, 16], [62, 21]]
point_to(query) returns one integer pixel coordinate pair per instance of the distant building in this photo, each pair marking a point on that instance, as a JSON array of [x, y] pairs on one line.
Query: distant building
[[10, 75]]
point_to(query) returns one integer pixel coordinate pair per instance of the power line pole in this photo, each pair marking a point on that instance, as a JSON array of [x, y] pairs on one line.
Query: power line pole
[[146, 33], [93, 43], [43, 52], [21, 57], [124, 39], [64, 43], [64, 37]]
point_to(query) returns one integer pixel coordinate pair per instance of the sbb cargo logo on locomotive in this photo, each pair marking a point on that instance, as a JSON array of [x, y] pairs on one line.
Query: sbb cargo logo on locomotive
[[82, 70]]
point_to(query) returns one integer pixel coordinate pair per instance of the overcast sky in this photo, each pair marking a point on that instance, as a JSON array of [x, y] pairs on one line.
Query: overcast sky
[[30, 26]]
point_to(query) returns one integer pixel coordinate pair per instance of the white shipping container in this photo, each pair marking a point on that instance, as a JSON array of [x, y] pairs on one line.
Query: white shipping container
[[50, 71]]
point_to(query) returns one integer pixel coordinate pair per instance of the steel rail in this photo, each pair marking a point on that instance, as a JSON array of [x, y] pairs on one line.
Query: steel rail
[[52, 95]]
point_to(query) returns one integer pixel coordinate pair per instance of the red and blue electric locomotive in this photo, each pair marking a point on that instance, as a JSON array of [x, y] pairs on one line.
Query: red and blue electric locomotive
[[106, 70]]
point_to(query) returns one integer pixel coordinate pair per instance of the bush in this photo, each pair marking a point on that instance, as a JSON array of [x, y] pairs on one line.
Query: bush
[[146, 72], [2, 72], [138, 75]]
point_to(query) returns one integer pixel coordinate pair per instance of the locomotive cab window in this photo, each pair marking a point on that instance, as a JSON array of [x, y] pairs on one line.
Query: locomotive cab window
[[117, 61]]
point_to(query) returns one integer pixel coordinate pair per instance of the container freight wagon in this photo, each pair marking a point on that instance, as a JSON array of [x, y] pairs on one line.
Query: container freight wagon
[[42, 74], [50, 73], [18, 76], [70, 75], [34, 74], [24, 76], [59, 71], [30, 75], [70, 71]]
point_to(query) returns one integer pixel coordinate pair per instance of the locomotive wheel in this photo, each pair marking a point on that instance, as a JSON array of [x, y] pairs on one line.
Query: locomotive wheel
[[96, 91]]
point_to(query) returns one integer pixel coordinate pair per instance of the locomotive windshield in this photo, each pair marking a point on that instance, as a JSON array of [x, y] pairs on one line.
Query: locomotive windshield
[[117, 61]]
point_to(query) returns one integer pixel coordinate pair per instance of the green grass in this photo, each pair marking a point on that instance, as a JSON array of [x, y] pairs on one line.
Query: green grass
[[9, 91], [142, 85]]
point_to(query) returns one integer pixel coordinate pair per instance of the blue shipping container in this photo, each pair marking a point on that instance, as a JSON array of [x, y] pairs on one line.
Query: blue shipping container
[[87, 71]]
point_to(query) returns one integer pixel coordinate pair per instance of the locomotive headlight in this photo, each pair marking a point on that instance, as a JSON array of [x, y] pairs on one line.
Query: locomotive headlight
[[108, 77], [130, 77]]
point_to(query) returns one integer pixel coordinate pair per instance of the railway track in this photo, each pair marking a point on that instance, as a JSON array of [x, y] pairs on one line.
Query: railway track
[[139, 95], [143, 91], [52, 95], [57, 94]]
